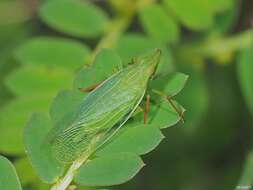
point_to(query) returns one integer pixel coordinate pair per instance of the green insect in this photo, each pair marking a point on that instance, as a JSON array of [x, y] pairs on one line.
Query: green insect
[[104, 110]]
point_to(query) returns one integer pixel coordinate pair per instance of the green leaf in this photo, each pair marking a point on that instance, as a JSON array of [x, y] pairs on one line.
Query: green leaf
[[35, 86], [195, 14], [105, 64], [158, 24], [8, 176], [18, 112], [244, 70], [50, 51], [77, 18], [170, 84], [109, 170], [65, 102], [164, 115], [139, 139], [39, 151], [132, 45], [31, 81]]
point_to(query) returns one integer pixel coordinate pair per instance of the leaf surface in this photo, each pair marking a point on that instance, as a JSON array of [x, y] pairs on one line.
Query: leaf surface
[[109, 170], [38, 149], [53, 51], [195, 14], [137, 138], [105, 64], [158, 24], [8, 176], [77, 18]]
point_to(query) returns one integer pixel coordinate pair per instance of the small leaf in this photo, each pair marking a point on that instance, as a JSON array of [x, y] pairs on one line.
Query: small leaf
[[8, 176], [80, 19], [105, 64], [170, 84], [165, 115], [139, 139], [132, 45], [195, 14], [65, 102], [158, 24], [38, 149], [38, 81], [51, 51], [109, 170], [244, 70], [19, 110]]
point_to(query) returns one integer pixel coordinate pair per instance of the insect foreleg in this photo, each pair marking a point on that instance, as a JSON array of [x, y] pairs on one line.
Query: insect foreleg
[[168, 98]]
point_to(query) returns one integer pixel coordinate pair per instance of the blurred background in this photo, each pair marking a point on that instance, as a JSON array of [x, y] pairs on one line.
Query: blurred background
[[44, 42]]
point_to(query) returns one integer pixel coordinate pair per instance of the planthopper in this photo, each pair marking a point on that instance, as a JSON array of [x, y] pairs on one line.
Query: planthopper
[[103, 111]]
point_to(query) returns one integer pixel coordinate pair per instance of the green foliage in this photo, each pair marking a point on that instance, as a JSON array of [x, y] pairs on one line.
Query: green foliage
[[147, 137], [197, 14], [49, 51], [244, 69], [104, 65], [121, 167], [133, 44], [173, 87], [83, 19], [159, 25], [188, 32], [39, 151], [8, 176], [164, 114], [30, 81]]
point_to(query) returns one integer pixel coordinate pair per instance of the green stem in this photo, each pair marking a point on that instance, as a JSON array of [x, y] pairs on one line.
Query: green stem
[[230, 44], [64, 183], [218, 46]]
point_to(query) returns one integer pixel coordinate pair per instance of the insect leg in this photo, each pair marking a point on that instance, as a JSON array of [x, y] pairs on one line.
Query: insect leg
[[168, 98], [90, 88], [147, 109], [179, 112]]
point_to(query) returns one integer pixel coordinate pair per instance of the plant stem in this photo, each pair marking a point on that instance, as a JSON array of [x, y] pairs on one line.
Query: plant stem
[[64, 183], [218, 46]]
